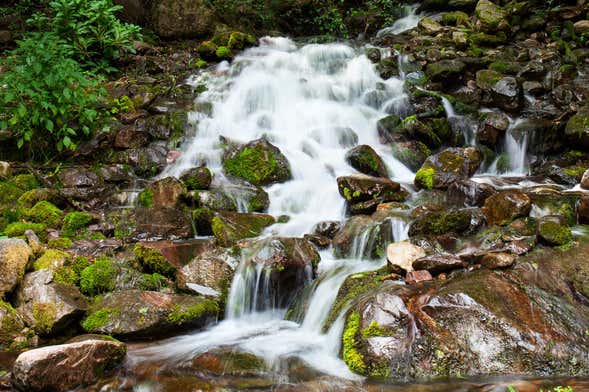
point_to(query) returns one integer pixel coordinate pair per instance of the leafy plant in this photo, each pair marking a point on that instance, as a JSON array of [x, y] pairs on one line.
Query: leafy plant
[[92, 30], [46, 97]]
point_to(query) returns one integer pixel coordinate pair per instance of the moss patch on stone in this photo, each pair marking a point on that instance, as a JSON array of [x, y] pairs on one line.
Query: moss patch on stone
[[145, 198], [44, 315], [98, 278], [98, 319], [352, 356], [52, 259], [74, 222], [424, 178], [180, 316], [152, 261], [17, 229], [45, 212], [60, 243]]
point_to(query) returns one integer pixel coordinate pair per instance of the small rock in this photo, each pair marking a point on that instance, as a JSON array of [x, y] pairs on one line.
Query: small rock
[[162, 193], [233, 226], [5, 170], [438, 263], [213, 269], [469, 193], [327, 228], [66, 366], [258, 162], [429, 26], [533, 88], [197, 178], [414, 277], [162, 222], [359, 187], [497, 260], [364, 159], [583, 211], [450, 165], [503, 207], [585, 180], [401, 255], [34, 241]]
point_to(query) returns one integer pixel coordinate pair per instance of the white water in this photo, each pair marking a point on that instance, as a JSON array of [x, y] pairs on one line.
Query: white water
[[406, 23], [304, 101], [516, 148]]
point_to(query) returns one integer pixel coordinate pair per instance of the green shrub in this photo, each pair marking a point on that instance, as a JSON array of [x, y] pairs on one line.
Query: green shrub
[[46, 96], [91, 29]]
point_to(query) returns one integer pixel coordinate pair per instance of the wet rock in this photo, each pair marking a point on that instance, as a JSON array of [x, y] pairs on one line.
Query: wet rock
[[147, 161], [533, 88], [162, 193], [162, 222], [214, 199], [232, 226], [373, 55], [378, 233], [47, 306], [116, 173], [552, 231], [130, 137], [438, 263], [577, 128], [414, 277], [319, 241], [450, 165], [148, 314], [448, 221], [364, 159], [327, 228], [66, 366], [505, 206], [197, 178], [166, 257], [429, 26], [497, 260], [492, 128], [585, 180], [412, 153], [506, 93], [14, 257], [289, 264], [469, 193], [209, 273], [79, 177], [491, 17], [583, 211], [445, 70], [402, 255], [359, 187], [258, 162]]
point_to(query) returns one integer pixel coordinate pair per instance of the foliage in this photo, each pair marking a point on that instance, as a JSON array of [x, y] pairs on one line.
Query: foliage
[[46, 96], [91, 30]]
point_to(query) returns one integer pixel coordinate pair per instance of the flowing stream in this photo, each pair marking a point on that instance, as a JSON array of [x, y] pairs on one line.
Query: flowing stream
[[314, 103]]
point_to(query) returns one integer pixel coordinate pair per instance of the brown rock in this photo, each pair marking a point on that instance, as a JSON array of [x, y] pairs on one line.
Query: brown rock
[[414, 277], [14, 257], [497, 260], [439, 263], [401, 256], [66, 366], [505, 206]]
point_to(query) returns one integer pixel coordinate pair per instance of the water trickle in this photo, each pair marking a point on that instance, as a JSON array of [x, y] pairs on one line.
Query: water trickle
[[408, 22], [514, 160]]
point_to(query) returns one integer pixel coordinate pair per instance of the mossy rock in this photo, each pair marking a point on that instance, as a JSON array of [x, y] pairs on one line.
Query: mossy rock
[[45, 212], [577, 129], [207, 50], [229, 227], [153, 261], [554, 233], [364, 159], [98, 278], [258, 162], [11, 326], [17, 229], [443, 222], [445, 70], [26, 182], [491, 17], [198, 178], [75, 223], [239, 41], [486, 79], [51, 259], [60, 243], [411, 154], [32, 197], [448, 166]]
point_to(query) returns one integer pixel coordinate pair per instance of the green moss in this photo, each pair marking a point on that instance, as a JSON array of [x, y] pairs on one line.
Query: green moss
[[152, 261], [153, 282], [98, 319], [575, 171], [26, 182], [32, 197], [60, 243], [9, 192], [74, 222], [504, 163], [44, 315], [10, 326], [45, 212], [79, 263], [352, 356], [66, 275], [253, 164], [194, 312], [52, 259], [17, 229], [425, 178], [241, 226], [555, 233], [348, 194], [374, 330], [145, 198], [238, 40], [98, 278], [223, 52]]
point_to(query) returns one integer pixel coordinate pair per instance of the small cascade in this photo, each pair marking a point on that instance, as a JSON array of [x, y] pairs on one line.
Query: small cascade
[[459, 123], [408, 22], [513, 161], [399, 229]]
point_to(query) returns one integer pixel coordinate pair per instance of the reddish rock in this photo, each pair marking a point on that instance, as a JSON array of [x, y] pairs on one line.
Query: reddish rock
[[497, 260], [414, 277]]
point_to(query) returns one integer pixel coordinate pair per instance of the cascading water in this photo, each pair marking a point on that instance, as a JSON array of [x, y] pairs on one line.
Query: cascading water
[[408, 22], [313, 103], [514, 160]]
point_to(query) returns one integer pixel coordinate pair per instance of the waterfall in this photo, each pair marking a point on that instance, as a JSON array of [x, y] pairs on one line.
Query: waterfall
[[408, 22], [314, 103], [514, 159]]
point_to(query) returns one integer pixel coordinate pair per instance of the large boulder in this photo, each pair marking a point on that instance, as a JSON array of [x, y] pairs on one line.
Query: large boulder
[[167, 257], [258, 162], [162, 193], [67, 366], [14, 257], [146, 314], [450, 165], [364, 159], [162, 222], [229, 227], [47, 306], [505, 206], [473, 323]]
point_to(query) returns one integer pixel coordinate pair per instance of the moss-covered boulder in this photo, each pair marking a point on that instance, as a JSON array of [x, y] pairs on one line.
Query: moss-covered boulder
[[229, 227], [75, 224], [505, 206], [14, 258], [45, 212], [11, 325], [450, 165], [258, 162], [182, 18], [18, 229], [364, 159], [553, 231], [423, 332], [447, 221], [52, 259], [577, 129], [209, 273], [433, 133], [197, 178], [491, 17], [359, 187], [412, 154], [148, 314], [67, 366], [47, 306], [445, 70]]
